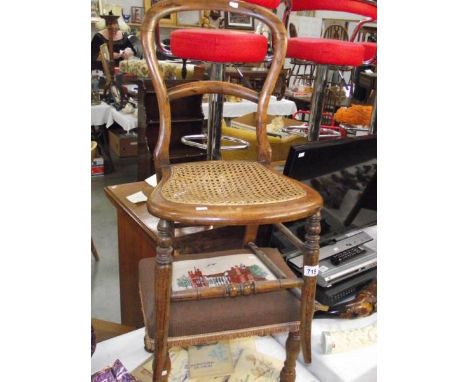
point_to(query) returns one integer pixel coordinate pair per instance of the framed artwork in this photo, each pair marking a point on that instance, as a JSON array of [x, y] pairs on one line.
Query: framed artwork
[[137, 14], [189, 18], [238, 21], [169, 20], [96, 9]]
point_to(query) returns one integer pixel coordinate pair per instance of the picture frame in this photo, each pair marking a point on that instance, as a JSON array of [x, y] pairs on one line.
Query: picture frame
[[96, 9], [234, 20], [189, 18], [137, 14], [170, 20]]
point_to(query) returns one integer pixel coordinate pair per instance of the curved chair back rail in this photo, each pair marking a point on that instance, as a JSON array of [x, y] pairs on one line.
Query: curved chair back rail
[[166, 7]]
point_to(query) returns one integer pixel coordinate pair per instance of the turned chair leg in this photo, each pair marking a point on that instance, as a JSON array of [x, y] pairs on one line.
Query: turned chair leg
[[162, 292], [311, 257], [293, 345]]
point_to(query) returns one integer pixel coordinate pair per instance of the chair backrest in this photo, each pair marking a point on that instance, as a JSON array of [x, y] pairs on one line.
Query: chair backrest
[[166, 7], [366, 8], [336, 32]]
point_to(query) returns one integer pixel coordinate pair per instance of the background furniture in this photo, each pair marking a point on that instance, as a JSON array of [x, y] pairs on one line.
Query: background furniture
[[237, 109], [187, 119], [254, 77], [327, 53], [105, 330]]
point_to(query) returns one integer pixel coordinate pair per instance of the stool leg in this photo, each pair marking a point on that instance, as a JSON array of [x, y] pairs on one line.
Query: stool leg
[[317, 101], [215, 110], [162, 294], [293, 345], [311, 258]]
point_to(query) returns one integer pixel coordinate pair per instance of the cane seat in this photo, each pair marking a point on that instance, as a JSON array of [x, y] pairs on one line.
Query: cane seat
[[230, 192]]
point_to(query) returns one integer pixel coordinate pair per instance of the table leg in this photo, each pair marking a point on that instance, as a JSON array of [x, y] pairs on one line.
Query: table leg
[[99, 134]]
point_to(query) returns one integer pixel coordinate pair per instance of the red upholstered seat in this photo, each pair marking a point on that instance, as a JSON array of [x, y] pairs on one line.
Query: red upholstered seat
[[370, 50], [272, 4], [326, 52], [218, 45], [351, 6]]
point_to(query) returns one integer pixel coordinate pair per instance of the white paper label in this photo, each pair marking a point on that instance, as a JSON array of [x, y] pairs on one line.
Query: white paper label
[[311, 271], [164, 372], [151, 180], [234, 4], [301, 154], [201, 208], [137, 197]]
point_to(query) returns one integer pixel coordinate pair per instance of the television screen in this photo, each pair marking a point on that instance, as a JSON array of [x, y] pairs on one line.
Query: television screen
[[343, 171]]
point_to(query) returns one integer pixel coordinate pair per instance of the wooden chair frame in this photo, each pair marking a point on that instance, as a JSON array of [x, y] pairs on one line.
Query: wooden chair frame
[[301, 334]]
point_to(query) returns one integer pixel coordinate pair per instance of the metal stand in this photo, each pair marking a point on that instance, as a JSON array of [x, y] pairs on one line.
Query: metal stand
[[317, 101], [373, 123], [211, 141], [215, 116]]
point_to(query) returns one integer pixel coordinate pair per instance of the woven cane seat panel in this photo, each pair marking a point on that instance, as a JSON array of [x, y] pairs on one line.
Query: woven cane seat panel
[[220, 314], [228, 183]]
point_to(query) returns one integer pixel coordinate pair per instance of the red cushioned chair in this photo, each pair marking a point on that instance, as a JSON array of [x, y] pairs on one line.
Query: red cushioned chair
[[218, 46], [328, 52]]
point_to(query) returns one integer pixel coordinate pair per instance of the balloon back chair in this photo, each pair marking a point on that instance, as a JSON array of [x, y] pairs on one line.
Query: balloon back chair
[[225, 193], [325, 52]]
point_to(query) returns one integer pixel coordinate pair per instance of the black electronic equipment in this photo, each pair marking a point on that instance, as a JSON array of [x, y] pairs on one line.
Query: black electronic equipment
[[344, 289], [343, 171]]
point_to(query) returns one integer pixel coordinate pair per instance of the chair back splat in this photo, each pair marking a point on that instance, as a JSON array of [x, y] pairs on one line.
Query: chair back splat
[[165, 8]]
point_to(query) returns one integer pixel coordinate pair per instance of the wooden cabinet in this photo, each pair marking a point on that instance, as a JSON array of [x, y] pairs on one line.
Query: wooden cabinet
[[187, 118]]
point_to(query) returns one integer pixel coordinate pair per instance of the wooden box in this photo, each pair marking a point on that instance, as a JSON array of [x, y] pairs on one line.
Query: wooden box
[[123, 145]]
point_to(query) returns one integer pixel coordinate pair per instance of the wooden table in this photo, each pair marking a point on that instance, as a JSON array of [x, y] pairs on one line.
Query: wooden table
[[137, 240]]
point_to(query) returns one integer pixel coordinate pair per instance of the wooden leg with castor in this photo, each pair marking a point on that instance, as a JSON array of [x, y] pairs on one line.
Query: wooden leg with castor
[[93, 251], [162, 291], [293, 345], [311, 259]]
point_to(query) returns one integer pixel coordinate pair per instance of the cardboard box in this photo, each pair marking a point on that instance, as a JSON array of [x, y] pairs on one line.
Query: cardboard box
[[244, 128], [249, 121], [97, 166], [123, 145]]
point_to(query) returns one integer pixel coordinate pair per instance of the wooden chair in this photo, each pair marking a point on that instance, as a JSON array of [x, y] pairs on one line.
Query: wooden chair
[[325, 53], [223, 193]]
